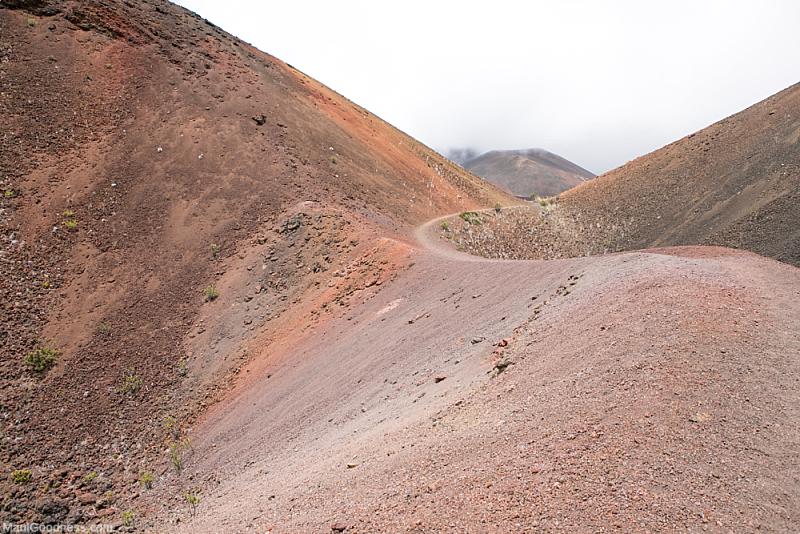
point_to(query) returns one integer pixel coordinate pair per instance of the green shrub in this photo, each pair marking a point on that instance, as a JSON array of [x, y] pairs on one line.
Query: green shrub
[[445, 226], [497, 208], [146, 479], [9, 193], [21, 476], [172, 427], [71, 225], [41, 359], [215, 250], [471, 217], [210, 293], [177, 449], [193, 499], [88, 477], [130, 384], [127, 518], [31, 22]]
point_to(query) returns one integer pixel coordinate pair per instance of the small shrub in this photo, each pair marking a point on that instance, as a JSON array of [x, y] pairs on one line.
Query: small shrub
[[445, 226], [41, 359], [215, 250], [71, 225], [146, 479], [88, 477], [471, 217], [210, 293], [31, 22], [46, 284], [9, 193], [130, 384], [68, 214], [193, 499], [104, 328], [176, 456], [497, 208], [127, 518], [172, 427], [333, 160], [21, 476], [183, 367], [177, 449]]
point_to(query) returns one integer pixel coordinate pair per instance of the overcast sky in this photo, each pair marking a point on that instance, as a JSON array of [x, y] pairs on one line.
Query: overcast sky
[[598, 82]]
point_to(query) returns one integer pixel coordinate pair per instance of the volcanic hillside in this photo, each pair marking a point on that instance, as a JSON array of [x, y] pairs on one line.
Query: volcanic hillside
[[526, 173], [168, 192], [231, 303]]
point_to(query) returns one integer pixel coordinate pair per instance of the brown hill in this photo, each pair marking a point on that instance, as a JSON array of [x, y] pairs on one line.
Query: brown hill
[[254, 332], [526, 173], [146, 156]]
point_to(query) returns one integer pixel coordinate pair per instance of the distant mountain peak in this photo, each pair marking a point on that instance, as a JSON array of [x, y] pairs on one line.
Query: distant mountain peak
[[523, 172]]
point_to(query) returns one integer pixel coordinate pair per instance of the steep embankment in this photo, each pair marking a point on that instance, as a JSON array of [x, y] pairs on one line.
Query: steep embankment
[[526, 173], [169, 192]]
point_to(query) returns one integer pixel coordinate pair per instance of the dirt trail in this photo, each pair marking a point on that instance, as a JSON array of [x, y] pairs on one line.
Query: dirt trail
[[627, 391]]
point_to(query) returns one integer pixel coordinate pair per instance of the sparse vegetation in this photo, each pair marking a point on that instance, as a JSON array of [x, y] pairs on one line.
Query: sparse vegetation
[[172, 427], [544, 201], [333, 160], [146, 479], [210, 293], [104, 328], [41, 359], [497, 208], [471, 217], [9, 193], [90, 476], [127, 518], [177, 449], [193, 499], [445, 226], [31, 22], [215, 250], [21, 476], [130, 384], [183, 367], [70, 222]]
